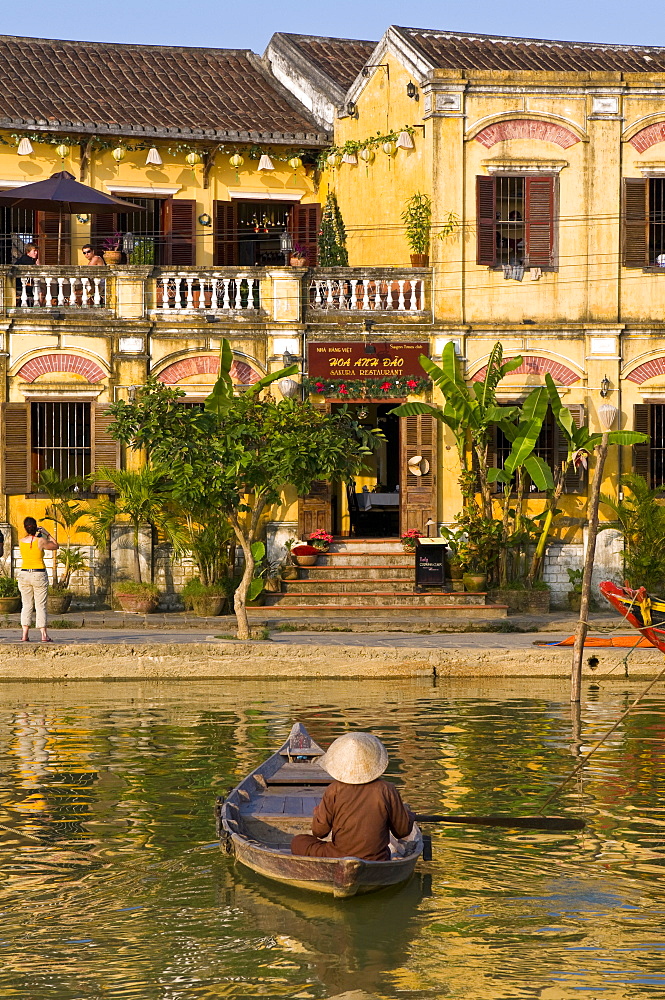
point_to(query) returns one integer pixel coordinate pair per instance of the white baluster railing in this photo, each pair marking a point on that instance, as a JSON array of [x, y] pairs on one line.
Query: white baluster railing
[[61, 288], [387, 292], [207, 291]]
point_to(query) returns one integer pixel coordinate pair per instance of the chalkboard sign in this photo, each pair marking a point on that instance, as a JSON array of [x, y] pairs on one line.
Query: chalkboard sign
[[430, 562]]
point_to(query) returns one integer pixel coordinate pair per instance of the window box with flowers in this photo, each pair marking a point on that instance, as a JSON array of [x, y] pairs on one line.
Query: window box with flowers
[[367, 388]]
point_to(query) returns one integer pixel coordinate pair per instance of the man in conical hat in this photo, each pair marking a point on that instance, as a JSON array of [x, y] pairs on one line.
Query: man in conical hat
[[358, 808]]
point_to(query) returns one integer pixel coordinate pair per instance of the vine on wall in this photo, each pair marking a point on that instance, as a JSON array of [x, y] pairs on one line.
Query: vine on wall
[[367, 388]]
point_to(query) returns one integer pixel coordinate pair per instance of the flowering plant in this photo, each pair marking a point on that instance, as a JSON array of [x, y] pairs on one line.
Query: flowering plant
[[408, 539], [368, 388], [320, 539], [298, 250], [112, 242]]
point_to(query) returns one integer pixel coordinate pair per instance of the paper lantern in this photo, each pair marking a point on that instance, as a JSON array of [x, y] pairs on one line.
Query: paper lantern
[[350, 158], [62, 150], [366, 155], [119, 153], [295, 162], [607, 414], [236, 160], [333, 160], [288, 387], [265, 163], [25, 147], [405, 141], [389, 148], [192, 158], [153, 158]]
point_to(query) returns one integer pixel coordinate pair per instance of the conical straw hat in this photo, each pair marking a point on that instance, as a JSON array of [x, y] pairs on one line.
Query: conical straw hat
[[355, 758]]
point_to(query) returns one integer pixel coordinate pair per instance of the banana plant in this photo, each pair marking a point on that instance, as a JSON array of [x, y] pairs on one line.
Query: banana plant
[[221, 396], [470, 413], [580, 444]]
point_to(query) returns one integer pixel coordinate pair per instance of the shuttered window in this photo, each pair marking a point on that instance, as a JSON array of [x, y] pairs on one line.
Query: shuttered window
[[225, 234], [516, 221], [179, 218], [60, 438], [649, 458], [304, 224], [551, 446], [644, 222], [54, 237]]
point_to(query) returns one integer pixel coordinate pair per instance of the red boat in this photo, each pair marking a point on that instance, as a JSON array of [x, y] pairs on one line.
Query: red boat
[[639, 609]]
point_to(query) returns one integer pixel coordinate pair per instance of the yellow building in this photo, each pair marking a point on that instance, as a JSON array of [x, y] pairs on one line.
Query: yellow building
[[545, 157]]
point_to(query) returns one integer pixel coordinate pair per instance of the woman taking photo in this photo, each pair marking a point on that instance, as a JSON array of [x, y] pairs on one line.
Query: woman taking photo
[[32, 577]]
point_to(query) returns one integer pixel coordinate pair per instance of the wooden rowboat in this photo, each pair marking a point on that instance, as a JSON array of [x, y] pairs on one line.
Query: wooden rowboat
[[273, 803], [643, 611]]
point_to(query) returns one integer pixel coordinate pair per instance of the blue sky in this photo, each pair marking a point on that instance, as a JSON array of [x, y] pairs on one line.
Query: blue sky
[[250, 23]]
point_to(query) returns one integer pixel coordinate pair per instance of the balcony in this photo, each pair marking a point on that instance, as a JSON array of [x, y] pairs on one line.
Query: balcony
[[193, 290], [391, 293], [58, 287]]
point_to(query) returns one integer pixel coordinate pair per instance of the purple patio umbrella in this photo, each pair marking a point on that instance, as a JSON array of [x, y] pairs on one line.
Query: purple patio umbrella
[[69, 196]]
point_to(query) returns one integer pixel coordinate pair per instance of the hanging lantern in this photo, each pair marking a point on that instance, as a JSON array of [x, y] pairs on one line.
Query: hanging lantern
[[25, 147], [389, 148], [288, 387], [295, 162], [265, 163], [607, 414], [366, 155], [333, 160], [153, 158], [236, 160], [119, 153], [192, 158], [350, 158], [62, 150], [405, 141]]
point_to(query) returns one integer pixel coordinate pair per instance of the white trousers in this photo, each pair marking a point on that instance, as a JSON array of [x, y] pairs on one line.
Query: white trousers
[[34, 589]]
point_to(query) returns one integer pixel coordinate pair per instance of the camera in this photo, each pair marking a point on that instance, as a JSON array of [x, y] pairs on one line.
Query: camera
[[40, 533]]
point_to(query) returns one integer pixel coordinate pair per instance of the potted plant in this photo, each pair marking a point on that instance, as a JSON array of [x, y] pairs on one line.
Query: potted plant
[[320, 539], [206, 601], [304, 554], [135, 597], [417, 219], [453, 539], [289, 570], [112, 248], [298, 256], [59, 595], [574, 595], [10, 598], [479, 546], [408, 539]]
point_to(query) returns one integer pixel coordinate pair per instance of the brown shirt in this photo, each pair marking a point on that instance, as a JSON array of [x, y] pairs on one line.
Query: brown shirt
[[361, 818]]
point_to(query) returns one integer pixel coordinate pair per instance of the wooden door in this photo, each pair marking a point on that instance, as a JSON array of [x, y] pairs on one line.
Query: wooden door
[[179, 229], [418, 499], [54, 228], [315, 510]]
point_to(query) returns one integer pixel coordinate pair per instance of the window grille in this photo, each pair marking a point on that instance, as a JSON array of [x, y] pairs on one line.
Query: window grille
[[61, 439]]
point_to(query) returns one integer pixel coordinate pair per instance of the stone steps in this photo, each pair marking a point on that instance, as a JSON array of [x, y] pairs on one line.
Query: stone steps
[[343, 573], [384, 584], [373, 598], [448, 613]]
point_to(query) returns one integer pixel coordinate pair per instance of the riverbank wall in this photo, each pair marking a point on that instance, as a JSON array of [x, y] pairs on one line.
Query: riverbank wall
[[271, 661]]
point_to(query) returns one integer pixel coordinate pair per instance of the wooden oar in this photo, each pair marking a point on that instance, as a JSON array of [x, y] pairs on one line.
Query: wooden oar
[[521, 822]]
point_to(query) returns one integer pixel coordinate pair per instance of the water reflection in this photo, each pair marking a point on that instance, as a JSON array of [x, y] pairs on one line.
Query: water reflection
[[110, 889]]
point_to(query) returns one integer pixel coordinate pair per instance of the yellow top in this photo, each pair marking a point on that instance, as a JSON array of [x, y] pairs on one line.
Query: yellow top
[[32, 556]]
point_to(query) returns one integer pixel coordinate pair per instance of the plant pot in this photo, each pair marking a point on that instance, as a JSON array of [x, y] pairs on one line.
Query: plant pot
[[475, 583], [10, 605], [289, 573], [306, 560], [273, 585], [419, 260], [57, 603], [208, 605], [138, 604], [298, 261], [574, 600], [456, 571], [113, 257]]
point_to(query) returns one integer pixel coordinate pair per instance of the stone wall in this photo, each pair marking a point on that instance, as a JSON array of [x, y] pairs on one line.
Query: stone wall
[[560, 557]]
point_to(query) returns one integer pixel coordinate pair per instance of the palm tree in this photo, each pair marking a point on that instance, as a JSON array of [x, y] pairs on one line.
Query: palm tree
[[140, 497]]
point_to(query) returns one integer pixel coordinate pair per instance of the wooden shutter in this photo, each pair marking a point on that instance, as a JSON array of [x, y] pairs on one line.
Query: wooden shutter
[[418, 500], [47, 229], [16, 449], [179, 224], [225, 234], [304, 223], [486, 220], [635, 222], [642, 452], [539, 221], [103, 226], [106, 450], [575, 480], [315, 510]]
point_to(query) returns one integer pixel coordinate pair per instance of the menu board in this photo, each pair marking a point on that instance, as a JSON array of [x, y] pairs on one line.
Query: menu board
[[389, 359], [430, 562]]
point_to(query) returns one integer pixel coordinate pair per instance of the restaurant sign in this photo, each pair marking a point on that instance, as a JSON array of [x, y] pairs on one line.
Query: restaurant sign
[[361, 360]]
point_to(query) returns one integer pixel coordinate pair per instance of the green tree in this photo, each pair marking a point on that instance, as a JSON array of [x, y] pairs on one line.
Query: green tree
[[640, 517], [236, 456], [140, 497], [332, 236]]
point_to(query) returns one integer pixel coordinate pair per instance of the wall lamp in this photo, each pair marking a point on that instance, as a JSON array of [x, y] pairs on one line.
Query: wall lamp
[[369, 66], [412, 91], [352, 109], [604, 386]]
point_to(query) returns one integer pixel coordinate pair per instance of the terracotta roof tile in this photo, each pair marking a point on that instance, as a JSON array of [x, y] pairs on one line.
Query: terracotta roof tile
[[146, 89], [460, 50], [341, 59]]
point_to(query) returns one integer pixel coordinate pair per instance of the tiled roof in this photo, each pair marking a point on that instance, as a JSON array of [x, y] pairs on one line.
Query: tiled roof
[[460, 50], [147, 89], [341, 59]]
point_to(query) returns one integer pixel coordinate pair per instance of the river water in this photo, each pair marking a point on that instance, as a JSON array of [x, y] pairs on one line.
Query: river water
[[112, 888]]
